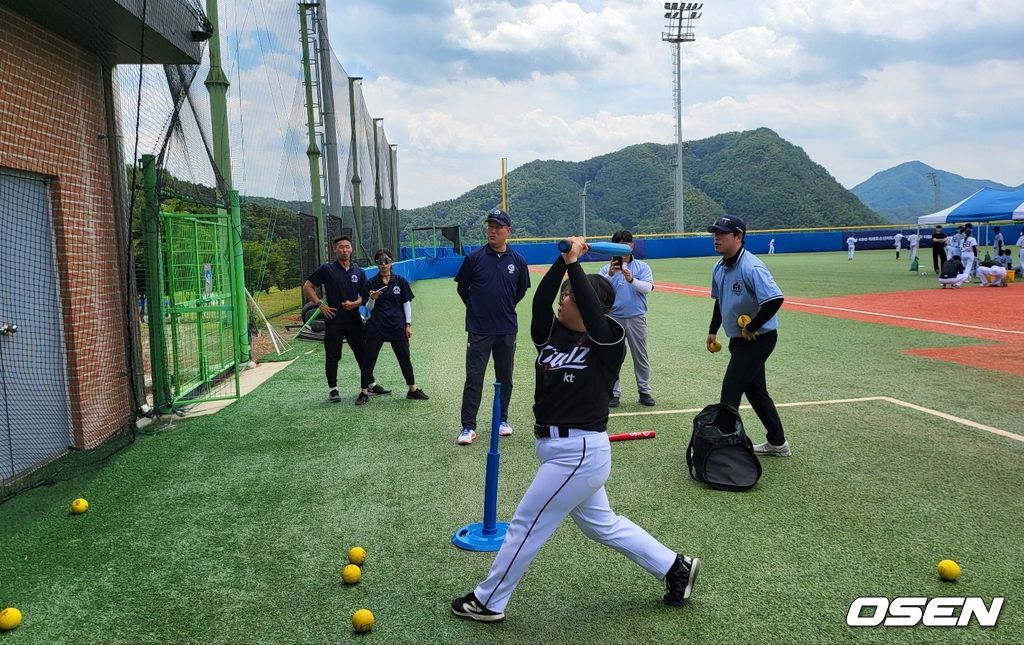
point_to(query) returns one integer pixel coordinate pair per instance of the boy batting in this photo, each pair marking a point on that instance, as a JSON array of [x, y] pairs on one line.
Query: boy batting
[[579, 353]]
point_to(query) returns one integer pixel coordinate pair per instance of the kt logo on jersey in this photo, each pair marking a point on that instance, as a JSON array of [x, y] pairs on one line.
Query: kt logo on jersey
[[553, 360]]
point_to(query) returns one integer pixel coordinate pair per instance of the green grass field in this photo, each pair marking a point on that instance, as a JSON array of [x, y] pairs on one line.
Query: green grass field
[[233, 528]]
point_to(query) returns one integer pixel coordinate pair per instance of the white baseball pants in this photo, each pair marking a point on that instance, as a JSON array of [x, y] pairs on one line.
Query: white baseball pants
[[570, 481]]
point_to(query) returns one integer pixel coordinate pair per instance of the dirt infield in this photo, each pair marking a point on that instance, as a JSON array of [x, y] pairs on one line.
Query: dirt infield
[[990, 313]]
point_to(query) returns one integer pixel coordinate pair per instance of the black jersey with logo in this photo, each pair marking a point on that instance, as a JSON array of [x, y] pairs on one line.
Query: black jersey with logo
[[575, 371]]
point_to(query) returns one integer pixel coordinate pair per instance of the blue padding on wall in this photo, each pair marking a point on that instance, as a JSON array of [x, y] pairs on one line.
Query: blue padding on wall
[[445, 265]]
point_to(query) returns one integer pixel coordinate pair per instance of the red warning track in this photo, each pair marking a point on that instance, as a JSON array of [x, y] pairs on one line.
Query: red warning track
[[991, 313]]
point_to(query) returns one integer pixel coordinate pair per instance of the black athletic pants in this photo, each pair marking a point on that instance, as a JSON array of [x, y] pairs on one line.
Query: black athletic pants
[[938, 258], [352, 333], [478, 350], [745, 375], [401, 349]]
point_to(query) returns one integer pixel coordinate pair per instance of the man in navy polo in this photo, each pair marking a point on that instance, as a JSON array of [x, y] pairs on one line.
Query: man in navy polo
[[742, 285], [491, 281], [345, 288]]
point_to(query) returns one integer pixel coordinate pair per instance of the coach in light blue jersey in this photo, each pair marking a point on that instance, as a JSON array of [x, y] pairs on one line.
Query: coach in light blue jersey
[[742, 285], [633, 280]]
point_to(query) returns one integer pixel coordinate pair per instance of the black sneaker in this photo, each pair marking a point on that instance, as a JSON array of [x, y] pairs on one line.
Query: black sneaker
[[362, 398], [334, 396], [646, 399], [614, 403], [680, 579], [417, 394], [469, 607], [377, 389]]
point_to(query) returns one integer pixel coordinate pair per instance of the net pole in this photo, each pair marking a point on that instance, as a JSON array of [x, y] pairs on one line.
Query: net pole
[[154, 288], [312, 150], [357, 210], [238, 283]]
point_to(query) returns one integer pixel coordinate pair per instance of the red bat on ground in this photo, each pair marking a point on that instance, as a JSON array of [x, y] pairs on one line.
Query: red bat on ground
[[629, 436]]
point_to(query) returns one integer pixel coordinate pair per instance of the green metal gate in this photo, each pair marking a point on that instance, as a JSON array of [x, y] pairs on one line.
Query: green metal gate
[[200, 308]]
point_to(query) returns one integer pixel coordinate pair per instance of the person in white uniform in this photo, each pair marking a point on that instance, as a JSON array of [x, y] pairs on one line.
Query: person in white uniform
[[771, 246], [579, 354], [1020, 250], [851, 246], [914, 240], [898, 240], [969, 253]]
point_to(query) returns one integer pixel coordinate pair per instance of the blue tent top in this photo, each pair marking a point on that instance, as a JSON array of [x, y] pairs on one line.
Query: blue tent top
[[986, 205]]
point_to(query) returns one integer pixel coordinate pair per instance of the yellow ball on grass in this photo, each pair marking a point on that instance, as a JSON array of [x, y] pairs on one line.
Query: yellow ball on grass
[[79, 506], [357, 555], [351, 574], [948, 570], [9, 619], [362, 620]]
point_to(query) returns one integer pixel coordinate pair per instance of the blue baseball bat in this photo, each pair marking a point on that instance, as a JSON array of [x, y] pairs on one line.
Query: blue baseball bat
[[600, 248]]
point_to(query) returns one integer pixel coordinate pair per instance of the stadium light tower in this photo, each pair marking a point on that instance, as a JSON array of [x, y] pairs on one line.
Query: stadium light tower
[[679, 19]]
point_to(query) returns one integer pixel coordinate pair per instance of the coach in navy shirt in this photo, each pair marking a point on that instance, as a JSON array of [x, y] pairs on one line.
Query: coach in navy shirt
[[491, 281], [345, 289]]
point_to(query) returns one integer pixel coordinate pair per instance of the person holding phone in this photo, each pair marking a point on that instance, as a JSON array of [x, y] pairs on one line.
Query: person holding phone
[[633, 280], [390, 321]]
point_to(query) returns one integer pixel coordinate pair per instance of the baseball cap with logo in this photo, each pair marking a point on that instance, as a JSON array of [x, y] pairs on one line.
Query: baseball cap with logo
[[728, 224], [499, 216]]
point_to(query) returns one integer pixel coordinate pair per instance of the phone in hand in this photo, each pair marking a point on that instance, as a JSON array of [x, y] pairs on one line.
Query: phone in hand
[[617, 261]]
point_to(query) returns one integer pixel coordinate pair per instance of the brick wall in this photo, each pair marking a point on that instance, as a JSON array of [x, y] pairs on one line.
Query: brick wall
[[53, 122]]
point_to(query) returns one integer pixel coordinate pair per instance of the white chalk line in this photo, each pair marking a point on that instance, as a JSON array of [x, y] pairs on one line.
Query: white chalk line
[[888, 399], [802, 303]]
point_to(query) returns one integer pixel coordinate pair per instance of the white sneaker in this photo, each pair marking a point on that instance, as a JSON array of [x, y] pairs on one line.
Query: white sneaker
[[770, 449], [466, 437], [504, 429]]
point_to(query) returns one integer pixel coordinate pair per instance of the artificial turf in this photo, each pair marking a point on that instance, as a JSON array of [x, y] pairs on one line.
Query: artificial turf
[[234, 527]]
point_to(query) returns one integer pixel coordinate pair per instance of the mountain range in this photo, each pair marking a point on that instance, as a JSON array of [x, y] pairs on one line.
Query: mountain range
[[904, 192], [756, 175]]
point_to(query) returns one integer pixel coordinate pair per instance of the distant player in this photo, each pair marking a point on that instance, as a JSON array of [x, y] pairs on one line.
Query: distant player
[[969, 252], [851, 246], [952, 273], [914, 240], [939, 240], [771, 246], [1020, 250], [898, 240], [579, 353], [997, 241]]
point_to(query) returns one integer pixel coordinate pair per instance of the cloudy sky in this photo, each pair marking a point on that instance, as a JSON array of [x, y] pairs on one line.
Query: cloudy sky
[[861, 85]]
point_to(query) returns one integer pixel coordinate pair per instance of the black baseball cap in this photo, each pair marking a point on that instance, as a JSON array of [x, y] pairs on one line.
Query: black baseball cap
[[499, 216], [728, 224]]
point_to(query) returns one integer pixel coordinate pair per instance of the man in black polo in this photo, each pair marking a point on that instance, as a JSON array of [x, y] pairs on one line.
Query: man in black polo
[[491, 281], [345, 288], [939, 249]]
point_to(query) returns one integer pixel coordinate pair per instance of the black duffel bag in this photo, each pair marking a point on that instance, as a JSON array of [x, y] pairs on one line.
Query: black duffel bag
[[720, 453]]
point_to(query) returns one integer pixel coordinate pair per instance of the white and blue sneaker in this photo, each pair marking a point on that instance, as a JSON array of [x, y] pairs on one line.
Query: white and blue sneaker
[[466, 437], [504, 429]]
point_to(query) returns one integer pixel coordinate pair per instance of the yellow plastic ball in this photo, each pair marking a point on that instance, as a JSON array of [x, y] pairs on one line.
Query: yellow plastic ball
[[715, 347], [79, 506], [357, 555], [743, 321], [11, 618], [351, 574], [948, 570], [362, 620]]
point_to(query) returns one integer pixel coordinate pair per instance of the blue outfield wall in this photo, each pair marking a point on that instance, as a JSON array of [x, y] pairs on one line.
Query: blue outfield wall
[[441, 262]]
